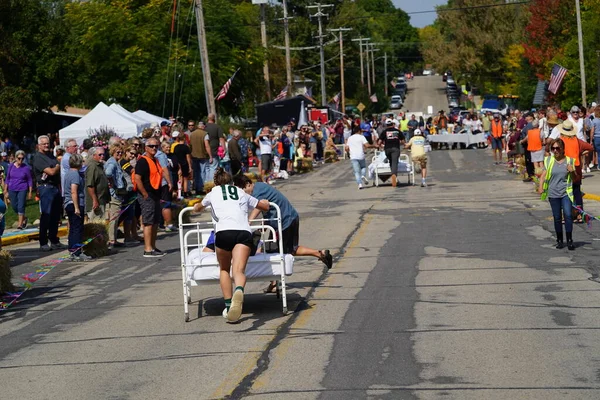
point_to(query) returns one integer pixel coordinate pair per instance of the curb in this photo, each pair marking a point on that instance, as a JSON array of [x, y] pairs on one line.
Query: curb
[[590, 196], [25, 238]]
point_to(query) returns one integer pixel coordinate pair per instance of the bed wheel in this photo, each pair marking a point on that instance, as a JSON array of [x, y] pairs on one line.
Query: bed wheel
[[187, 317], [189, 300], [285, 310], [277, 290]]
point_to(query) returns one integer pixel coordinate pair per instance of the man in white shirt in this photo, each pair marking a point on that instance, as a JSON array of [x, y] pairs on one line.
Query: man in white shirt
[[263, 141], [576, 118], [356, 146]]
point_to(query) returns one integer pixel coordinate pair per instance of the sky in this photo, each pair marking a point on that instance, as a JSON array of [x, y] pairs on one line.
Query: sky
[[419, 20]]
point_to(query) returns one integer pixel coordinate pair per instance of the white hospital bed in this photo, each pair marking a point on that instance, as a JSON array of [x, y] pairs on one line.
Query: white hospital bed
[[380, 167], [201, 268]]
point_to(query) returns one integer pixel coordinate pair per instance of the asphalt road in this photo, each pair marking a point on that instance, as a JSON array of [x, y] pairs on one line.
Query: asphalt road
[[450, 291], [424, 91]]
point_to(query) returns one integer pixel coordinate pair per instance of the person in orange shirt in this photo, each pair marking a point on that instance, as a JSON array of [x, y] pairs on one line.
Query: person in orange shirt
[[575, 148], [497, 128], [534, 145]]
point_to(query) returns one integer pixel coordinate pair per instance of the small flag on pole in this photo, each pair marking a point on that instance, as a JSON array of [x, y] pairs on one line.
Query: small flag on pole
[[393, 83], [373, 98], [556, 78], [223, 92], [283, 94], [336, 100]]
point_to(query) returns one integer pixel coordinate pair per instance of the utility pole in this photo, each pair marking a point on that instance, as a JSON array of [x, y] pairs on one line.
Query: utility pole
[[319, 15], [385, 76], [368, 69], [343, 89], [208, 87], [263, 38], [286, 37], [373, 50], [362, 67], [581, 62]]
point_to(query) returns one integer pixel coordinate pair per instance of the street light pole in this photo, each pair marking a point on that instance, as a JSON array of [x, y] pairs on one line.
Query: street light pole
[[581, 59]]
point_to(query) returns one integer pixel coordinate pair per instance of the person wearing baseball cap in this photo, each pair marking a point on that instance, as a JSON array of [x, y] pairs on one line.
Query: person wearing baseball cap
[[391, 138], [416, 144]]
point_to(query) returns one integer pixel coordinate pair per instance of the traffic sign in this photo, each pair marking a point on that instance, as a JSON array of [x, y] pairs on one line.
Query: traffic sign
[[361, 107]]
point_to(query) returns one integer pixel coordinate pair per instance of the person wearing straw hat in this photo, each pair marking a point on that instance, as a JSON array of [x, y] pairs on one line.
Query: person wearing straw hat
[[553, 128], [575, 148]]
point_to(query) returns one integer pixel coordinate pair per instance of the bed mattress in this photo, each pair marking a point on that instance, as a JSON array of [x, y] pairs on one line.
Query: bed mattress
[[204, 266]]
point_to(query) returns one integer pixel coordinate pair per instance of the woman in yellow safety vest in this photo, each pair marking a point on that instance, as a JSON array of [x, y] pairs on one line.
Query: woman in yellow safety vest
[[556, 185]]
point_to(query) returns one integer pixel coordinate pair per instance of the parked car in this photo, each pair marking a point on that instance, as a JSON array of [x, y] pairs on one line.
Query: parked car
[[396, 102], [399, 91], [427, 72], [447, 75], [452, 102]]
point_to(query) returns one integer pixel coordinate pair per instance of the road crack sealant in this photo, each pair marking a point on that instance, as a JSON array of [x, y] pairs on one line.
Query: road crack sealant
[[262, 365]]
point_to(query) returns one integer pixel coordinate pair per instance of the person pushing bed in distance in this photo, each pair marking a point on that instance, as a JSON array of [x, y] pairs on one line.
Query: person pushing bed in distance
[[233, 237]]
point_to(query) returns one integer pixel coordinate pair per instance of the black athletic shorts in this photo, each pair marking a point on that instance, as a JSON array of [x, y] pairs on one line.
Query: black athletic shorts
[[226, 240], [291, 237]]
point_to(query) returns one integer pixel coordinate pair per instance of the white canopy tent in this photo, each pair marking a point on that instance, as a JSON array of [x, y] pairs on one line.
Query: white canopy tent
[[149, 117], [101, 116], [138, 120]]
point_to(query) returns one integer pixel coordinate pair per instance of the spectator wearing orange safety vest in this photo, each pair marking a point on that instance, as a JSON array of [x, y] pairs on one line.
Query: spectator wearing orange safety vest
[[147, 180], [534, 144], [497, 128]]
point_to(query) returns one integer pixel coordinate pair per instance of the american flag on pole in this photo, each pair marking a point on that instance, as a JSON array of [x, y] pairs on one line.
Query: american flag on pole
[[283, 94], [336, 99], [223, 92], [373, 98], [556, 78]]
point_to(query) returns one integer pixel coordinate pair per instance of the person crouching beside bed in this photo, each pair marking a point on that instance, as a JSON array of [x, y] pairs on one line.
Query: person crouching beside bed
[[233, 237], [290, 220]]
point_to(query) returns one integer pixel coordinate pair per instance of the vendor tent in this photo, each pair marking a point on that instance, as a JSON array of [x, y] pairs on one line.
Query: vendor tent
[[149, 117], [100, 116], [137, 119]]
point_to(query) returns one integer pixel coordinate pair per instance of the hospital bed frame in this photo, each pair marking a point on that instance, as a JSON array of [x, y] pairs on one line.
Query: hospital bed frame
[[200, 231]]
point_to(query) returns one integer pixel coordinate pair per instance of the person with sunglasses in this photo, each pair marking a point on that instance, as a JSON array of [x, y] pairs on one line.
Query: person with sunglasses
[[556, 185], [19, 185], [128, 208], [117, 189], [147, 182], [46, 171]]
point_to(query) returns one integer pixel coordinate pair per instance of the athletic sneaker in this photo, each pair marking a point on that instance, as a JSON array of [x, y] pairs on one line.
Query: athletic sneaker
[[162, 253], [170, 228], [153, 254], [588, 170], [224, 313], [365, 181], [58, 246], [591, 165], [423, 183], [45, 247], [235, 310], [360, 186]]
